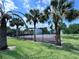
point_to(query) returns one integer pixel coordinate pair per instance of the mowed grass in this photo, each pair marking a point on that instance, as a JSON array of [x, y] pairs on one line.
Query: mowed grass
[[38, 50]]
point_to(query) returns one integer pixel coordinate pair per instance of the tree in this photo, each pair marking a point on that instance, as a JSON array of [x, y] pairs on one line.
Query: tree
[[16, 22], [36, 16], [61, 10], [63, 26], [72, 29], [45, 31], [4, 17], [11, 32]]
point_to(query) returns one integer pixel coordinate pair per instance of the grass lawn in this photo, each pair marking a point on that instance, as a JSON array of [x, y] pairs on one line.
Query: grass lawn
[[38, 50]]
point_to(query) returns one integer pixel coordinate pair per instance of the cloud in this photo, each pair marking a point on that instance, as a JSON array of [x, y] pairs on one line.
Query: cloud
[[0, 4], [41, 8], [46, 1], [26, 5], [9, 5], [38, 4], [42, 4]]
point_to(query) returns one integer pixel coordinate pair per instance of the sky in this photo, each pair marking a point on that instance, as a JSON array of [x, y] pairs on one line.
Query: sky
[[25, 5]]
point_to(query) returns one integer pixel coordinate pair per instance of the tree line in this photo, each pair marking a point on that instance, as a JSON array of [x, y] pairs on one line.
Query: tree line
[[71, 29]]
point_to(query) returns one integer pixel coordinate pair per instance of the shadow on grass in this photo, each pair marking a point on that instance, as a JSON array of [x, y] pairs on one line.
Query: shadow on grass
[[17, 54], [65, 46]]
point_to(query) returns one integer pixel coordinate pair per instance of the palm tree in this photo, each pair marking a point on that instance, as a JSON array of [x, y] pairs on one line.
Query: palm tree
[[16, 22], [3, 28], [36, 16], [4, 17], [61, 10]]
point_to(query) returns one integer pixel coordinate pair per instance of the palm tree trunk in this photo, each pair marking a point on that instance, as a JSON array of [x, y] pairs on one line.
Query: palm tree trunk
[[3, 35], [57, 37], [34, 31]]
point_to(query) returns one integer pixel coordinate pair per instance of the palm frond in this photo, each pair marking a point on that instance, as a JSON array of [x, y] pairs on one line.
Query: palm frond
[[17, 22], [29, 17], [14, 14], [68, 5], [54, 3], [72, 15]]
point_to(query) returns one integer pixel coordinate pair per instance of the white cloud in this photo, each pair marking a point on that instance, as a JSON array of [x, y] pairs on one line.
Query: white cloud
[[39, 1], [9, 5], [41, 4], [41, 8], [38, 4], [46, 1], [0, 4], [26, 5]]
